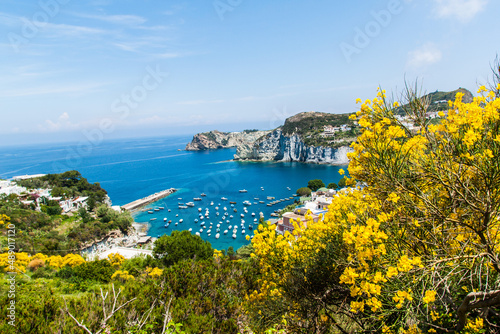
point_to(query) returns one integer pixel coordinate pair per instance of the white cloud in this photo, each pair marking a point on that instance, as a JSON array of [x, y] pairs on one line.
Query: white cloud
[[62, 123], [426, 55], [116, 19], [463, 10]]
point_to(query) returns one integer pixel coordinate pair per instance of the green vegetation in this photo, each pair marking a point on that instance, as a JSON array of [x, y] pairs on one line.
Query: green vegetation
[[310, 126], [304, 191], [181, 245], [315, 184], [332, 185], [50, 231]]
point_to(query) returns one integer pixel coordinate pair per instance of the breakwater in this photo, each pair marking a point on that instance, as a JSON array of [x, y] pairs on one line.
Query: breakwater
[[137, 204]]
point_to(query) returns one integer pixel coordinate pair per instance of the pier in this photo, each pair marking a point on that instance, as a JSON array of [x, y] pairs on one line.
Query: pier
[[146, 200]]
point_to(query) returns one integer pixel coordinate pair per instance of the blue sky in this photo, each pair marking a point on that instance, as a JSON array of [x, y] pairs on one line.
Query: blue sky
[[147, 68]]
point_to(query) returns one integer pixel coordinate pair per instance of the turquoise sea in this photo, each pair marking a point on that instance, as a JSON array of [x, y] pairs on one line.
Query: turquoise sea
[[130, 169]]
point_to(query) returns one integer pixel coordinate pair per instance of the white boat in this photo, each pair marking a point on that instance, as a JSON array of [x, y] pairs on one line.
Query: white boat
[[201, 230], [216, 208], [242, 215], [190, 229], [164, 219], [199, 209], [253, 214], [243, 191], [197, 199], [181, 220], [247, 203], [183, 207], [176, 224], [225, 209], [225, 231], [234, 235], [242, 231], [211, 203], [153, 219], [217, 236], [190, 204], [198, 233], [223, 198], [230, 226]]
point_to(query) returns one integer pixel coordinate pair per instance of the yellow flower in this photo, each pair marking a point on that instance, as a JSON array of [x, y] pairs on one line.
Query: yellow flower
[[341, 171], [430, 296]]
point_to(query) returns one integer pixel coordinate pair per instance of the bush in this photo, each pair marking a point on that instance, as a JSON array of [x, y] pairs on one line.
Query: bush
[[315, 184], [332, 185], [304, 191], [35, 264], [181, 246]]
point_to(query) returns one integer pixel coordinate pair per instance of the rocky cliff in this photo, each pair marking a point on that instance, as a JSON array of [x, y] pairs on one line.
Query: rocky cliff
[[278, 147], [216, 139]]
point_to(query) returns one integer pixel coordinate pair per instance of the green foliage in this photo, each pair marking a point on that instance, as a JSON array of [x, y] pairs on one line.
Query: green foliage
[[181, 245], [315, 184], [100, 271], [244, 251], [332, 185], [342, 182], [304, 191]]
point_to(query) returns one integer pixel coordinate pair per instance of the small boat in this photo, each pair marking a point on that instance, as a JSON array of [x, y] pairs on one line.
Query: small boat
[[167, 225], [169, 210], [161, 208], [230, 226], [211, 203], [197, 199], [157, 209], [150, 212], [243, 191], [242, 231], [199, 209], [231, 216], [190, 229], [217, 236], [247, 203], [225, 231], [201, 230], [270, 198], [176, 224], [232, 202], [234, 235], [242, 216], [261, 202], [190, 204], [197, 233], [202, 223], [253, 214], [164, 219], [235, 210], [183, 207], [196, 220], [223, 198], [152, 219], [181, 220], [180, 198], [250, 227], [169, 221], [203, 195], [288, 188]]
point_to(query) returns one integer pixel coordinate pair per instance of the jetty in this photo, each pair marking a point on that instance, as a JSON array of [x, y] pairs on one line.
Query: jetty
[[146, 200]]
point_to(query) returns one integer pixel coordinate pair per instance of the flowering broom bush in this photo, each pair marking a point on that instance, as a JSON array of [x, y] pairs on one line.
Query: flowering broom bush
[[413, 246]]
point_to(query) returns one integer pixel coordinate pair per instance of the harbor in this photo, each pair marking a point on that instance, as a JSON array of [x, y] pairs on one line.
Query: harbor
[[137, 204]]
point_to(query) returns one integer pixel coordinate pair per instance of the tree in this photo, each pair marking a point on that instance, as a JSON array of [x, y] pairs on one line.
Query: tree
[[332, 185], [416, 248], [181, 245], [315, 184], [304, 191], [342, 182]]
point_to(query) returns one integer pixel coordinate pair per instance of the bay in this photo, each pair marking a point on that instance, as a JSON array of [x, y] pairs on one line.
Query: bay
[[130, 169]]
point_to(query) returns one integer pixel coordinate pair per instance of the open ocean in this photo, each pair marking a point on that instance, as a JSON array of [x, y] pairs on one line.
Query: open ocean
[[130, 169]]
